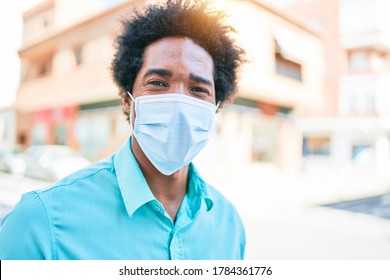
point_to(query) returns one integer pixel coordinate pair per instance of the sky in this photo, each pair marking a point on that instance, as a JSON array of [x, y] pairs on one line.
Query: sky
[[11, 35]]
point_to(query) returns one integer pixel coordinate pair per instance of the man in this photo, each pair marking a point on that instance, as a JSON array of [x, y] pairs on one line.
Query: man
[[174, 64]]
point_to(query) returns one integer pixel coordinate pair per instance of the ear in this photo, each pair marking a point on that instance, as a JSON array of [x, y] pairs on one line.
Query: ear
[[126, 103]]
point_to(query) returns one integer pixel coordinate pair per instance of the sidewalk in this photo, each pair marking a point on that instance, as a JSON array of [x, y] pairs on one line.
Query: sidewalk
[[284, 218]]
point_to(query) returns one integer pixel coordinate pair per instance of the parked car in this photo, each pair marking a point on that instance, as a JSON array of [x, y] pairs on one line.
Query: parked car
[[52, 162], [12, 161]]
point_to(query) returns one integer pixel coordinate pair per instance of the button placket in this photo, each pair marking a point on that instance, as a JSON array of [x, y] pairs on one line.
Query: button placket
[[158, 207], [159, 210], [175, 247]]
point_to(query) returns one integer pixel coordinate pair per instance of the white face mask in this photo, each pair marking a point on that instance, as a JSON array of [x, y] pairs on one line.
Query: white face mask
[[172, 128]]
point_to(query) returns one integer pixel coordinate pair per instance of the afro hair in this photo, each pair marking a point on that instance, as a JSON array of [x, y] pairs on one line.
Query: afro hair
[[178, 18]]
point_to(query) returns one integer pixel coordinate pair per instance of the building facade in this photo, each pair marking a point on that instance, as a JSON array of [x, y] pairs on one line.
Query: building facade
[[66, 95], [354, 130], [7, 128]]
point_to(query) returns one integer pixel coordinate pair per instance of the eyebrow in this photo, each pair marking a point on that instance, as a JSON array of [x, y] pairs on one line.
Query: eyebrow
[[200, 79], [168, 73], [158, 71]]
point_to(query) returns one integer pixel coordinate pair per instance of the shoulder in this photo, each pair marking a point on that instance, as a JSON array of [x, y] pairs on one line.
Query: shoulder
[[223, 208], [26, 226], [103, 167], [214, 198], [229, 221], [32, 222], [220, 200], [89, 176]]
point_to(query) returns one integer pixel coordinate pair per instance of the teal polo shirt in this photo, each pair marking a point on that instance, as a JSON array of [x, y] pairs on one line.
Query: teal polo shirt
[[107, 211]]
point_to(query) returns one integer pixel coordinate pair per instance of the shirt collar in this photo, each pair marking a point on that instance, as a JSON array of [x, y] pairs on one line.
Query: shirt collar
[[198, 188], [132, 184], [136, 192]]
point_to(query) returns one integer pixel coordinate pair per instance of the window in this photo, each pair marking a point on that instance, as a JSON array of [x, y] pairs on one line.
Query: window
[[362, 103], [266, 132], [37, 23], [358, 60], [363, 155], [44, 68], [60, 134], [45, 22], [39, 134], [36, 68], [285, 66], [316, 145], [78, 54], [358, 150]]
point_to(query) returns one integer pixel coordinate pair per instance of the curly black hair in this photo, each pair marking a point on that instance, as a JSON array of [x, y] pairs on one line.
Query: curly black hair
[[178, 18]]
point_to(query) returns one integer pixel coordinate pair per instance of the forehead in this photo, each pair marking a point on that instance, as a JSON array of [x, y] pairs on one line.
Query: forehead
[[178, 54]]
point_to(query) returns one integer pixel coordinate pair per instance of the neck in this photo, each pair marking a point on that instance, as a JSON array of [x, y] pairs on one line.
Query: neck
[[169, 190]]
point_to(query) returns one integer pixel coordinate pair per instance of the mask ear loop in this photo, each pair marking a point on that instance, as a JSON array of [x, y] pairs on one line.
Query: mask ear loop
[[131, 111], [131, 96], [217, 106], [131, 114]]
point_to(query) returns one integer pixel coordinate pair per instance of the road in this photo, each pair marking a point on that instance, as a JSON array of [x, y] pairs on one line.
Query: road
[[378, 205]]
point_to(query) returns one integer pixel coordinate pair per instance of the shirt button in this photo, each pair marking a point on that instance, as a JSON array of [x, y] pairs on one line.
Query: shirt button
[[157, 208]]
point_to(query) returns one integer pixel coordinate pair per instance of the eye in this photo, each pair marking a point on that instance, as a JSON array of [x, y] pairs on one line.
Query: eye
[[199, 90], [156, 83]]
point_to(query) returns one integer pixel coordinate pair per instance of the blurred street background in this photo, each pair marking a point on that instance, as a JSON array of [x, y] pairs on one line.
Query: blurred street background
[[303, 152]]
